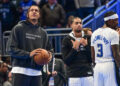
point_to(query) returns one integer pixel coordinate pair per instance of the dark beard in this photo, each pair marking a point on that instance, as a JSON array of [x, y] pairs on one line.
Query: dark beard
[[113, 27], [34, 20], [77, 31]]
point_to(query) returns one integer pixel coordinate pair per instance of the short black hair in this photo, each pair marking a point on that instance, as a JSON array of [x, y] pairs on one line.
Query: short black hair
[[109, 13], [72, 20], [108, 22]]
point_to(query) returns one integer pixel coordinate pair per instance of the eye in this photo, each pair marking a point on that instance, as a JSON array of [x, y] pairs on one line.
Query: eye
[[36, 10], [31, 10], [78, 23]]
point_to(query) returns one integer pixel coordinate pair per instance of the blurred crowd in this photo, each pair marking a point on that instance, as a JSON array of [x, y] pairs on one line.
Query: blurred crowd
[[54, 13]]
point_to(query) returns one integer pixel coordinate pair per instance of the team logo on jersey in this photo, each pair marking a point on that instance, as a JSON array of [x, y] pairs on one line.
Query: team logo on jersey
[[102, 38], [32, 36]]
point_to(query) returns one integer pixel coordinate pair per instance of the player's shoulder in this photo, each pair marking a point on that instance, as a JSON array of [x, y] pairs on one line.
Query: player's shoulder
[[96, 31], [105, 30], [112, 31]]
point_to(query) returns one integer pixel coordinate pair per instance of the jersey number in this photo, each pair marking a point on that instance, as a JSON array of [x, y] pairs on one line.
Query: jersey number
[[100, 50]]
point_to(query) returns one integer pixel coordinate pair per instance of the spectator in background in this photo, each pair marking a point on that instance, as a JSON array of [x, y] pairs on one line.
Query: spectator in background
[[23, 7], [61, 2], [69, 21], [3, 73], [8, 15], [9, 81], [86, 7], [68, 24], [40, 3], [53, 15], [70, 8], [59, 69], [87, 31], [103, 2], [37, 1]]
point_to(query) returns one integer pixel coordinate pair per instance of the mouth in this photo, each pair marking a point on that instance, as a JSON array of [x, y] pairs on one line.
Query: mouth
[[78, 31], [34, 15]]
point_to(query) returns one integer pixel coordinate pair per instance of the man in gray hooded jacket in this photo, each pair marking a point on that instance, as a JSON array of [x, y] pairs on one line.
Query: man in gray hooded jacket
[[26, 40]]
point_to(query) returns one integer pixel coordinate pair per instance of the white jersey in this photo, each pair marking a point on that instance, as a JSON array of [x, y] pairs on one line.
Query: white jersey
[[101, 40]]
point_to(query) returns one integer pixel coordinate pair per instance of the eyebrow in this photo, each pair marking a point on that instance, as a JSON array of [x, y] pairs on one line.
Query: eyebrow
[[34, 9], [78, 22]]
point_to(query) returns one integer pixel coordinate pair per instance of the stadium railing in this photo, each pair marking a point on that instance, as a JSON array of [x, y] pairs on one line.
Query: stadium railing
[[96, 20]]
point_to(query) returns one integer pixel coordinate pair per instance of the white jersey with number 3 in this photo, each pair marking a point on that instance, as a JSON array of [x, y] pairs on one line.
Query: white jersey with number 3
[[101, 40]]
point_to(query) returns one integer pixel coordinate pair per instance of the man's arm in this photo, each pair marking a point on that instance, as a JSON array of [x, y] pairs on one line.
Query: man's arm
[[115, 51], [68, 51], [93, 54], [12, 46]]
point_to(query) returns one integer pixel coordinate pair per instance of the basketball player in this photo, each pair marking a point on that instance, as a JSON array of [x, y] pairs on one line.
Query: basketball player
[[105, 51], [26, 40], [77, 56]]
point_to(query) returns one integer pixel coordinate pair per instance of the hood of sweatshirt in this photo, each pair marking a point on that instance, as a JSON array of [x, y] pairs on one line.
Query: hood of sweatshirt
[[26, 22]]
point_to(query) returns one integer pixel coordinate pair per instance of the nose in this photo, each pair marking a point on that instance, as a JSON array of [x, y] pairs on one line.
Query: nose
[[79, 24], [33, 10]]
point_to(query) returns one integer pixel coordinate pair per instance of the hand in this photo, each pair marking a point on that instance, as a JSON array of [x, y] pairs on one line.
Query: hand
[[54, 73], [76, 44], [48, 72], [83, 41], [50, 56], [118, 30], [34, 52]]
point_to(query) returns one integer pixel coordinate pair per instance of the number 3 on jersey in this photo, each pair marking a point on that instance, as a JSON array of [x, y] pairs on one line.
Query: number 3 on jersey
[[100, 50]]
